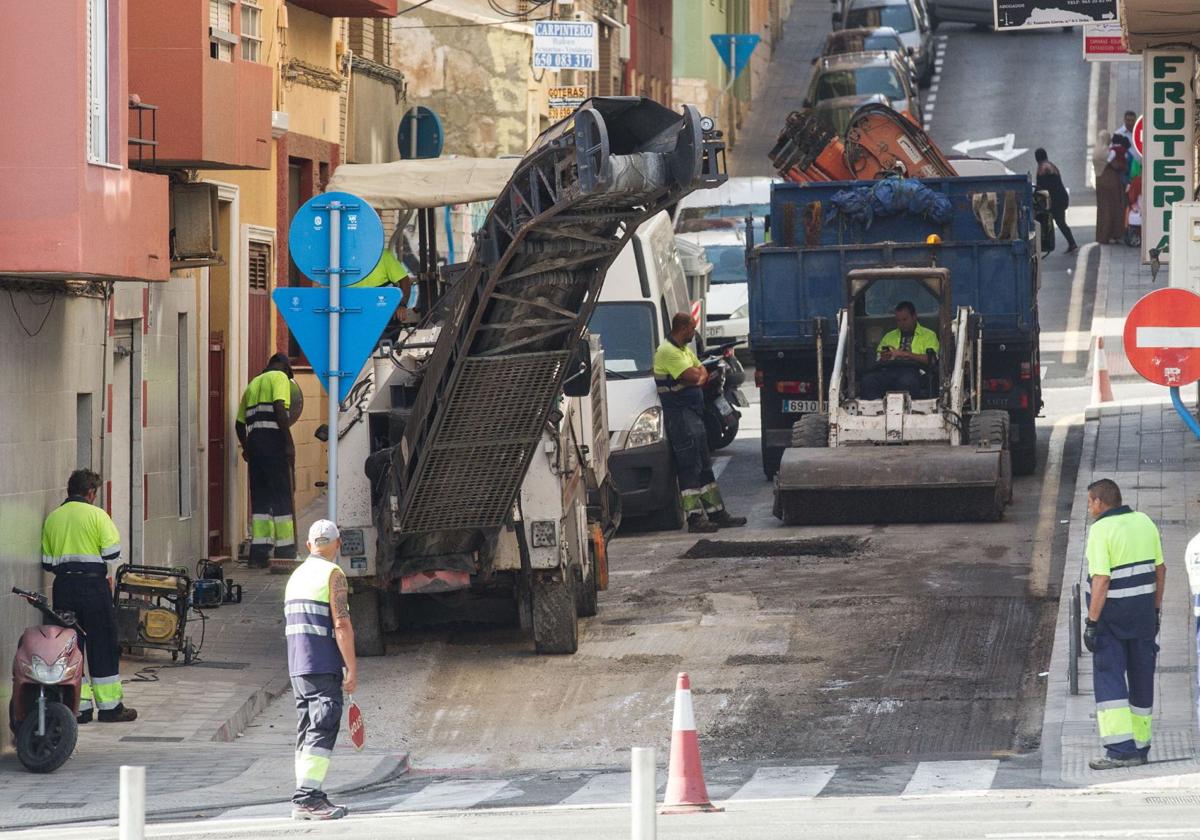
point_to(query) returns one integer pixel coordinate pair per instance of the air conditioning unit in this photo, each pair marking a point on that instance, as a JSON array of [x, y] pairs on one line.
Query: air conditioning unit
[[194, 227]]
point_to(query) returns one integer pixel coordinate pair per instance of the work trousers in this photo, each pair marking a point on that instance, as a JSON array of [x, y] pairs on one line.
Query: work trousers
[[89, 597], [878, 382], [272, 527], [688, 440], [319, 706], [1060, 219], [1123, 682]]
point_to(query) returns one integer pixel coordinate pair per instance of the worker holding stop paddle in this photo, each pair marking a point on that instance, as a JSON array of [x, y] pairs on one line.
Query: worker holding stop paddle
[[320, 643]]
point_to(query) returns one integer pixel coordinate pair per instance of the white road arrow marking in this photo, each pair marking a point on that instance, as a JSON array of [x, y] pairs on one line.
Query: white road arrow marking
[[1005, 153], [1180, 338]]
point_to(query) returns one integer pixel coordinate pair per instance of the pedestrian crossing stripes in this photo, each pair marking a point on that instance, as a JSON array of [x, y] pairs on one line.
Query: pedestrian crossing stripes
[[591, 789]]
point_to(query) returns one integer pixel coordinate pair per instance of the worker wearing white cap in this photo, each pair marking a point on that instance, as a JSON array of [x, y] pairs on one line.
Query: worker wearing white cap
[[321, 663]]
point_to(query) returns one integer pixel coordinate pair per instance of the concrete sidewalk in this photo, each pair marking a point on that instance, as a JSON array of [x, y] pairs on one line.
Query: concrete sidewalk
[[189, 722]]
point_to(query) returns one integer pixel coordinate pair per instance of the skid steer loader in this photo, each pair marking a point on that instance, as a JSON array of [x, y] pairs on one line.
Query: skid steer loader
[[923, 457]]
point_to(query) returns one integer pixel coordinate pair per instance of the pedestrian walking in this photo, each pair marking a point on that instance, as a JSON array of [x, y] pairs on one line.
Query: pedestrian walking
[[79, 541], [321, 663], [680, 379], [1124, 602], [1110, 193], [1050, 180], [264, 429]]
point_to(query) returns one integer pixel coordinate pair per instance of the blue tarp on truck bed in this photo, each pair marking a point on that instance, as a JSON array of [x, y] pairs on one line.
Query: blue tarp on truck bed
[[792, 284]]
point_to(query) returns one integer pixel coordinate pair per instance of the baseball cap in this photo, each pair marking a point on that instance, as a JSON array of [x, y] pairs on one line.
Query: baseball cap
[[322, 532]]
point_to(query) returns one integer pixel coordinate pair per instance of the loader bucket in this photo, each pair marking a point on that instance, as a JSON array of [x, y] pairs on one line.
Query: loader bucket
[[873, 484]]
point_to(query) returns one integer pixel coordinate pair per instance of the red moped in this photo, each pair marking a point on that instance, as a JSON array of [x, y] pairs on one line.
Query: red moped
[[47, 674]]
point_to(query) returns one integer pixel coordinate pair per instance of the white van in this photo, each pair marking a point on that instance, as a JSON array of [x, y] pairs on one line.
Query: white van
[[644, 288]]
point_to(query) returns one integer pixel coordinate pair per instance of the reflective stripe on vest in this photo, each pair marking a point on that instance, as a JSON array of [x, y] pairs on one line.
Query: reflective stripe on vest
[[309, 619]]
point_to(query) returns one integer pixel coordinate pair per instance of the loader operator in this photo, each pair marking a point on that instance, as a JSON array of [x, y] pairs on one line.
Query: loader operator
[[1126, 577], [903, 356], [79, 541], [680, 379], [321, 664], [264, 429]]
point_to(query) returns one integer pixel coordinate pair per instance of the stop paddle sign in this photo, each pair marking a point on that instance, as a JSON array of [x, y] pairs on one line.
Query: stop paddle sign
[[1162, 337], [1138, 137]]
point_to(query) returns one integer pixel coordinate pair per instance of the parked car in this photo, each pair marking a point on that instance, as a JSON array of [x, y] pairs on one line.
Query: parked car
[[864, 74], [836, 113], [868, 39], [728, 298], [908, 17], [725, 206], [982, 13]]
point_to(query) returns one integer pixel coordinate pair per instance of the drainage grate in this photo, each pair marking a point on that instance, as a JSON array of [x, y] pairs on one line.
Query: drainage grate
[[1173, 800], [152, 739], [37, 806], [225, 666], [814, 547]]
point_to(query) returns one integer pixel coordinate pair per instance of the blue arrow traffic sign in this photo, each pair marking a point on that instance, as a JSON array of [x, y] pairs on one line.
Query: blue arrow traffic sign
[[365, 312], [361, 238], [735, 50]]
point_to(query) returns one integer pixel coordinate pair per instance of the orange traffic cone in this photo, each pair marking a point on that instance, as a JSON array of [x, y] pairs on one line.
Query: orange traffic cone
[[1101, 383], [686, 792]]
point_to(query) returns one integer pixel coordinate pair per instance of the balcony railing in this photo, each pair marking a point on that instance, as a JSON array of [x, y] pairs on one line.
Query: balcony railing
[[140, 140]]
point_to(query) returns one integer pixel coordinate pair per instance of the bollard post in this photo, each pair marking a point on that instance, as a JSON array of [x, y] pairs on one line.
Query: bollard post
[[644, 825], [132, 813]]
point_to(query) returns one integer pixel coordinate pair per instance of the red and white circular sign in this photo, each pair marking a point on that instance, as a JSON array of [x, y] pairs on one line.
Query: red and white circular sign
[[1162, 337], [1137, 137]]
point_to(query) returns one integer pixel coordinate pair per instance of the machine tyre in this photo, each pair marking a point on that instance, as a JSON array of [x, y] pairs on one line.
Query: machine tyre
[[48, 753], [989, 429], [587, 596], [1024, 453], [811, 432], [555, 621], [368, 628]]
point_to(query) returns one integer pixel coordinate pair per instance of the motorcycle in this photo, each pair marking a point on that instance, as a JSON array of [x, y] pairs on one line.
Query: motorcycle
[[47, 675], [722, 395]]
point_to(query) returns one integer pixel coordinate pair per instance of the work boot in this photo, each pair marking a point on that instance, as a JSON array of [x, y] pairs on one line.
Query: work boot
[[698, 524], [322, 809], [84, 717], [722, 519], [1109, 763], [121, 714]]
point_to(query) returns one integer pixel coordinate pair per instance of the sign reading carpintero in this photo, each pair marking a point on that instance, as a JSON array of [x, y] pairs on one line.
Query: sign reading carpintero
[[1032, 14], [565, 45], [1169, 141]]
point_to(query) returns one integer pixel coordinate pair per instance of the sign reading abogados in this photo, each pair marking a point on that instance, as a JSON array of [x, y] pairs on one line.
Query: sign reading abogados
[[1169, 140]]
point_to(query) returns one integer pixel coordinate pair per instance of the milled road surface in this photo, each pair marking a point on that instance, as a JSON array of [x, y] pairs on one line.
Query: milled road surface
[[909, 642]]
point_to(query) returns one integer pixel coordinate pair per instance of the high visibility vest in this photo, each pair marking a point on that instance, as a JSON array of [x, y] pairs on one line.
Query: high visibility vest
[[1124, 545], [306, 609], [257, 411], [923, 339], [79, 537], [388, 271], [670, 361]]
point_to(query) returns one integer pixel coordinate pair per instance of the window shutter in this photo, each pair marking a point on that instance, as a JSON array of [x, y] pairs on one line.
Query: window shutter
[[260, 266]]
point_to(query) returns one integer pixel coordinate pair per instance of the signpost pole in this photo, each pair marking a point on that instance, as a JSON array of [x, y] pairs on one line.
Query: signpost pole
[[335, 301]]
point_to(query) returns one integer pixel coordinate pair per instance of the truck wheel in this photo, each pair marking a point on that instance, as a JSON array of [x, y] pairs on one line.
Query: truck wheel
[[368, 629], [555, 621], [587, 595], [811, 432], [989, 429], [1024, 451], [771, 456], [671, 517]]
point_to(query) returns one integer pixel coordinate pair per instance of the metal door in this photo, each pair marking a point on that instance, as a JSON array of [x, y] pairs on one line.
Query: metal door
[[217, 543]]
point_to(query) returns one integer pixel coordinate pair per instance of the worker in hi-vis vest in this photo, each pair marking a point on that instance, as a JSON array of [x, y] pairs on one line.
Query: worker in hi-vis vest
[[264, 430], [389, 271], [321, 664], [79, 541]]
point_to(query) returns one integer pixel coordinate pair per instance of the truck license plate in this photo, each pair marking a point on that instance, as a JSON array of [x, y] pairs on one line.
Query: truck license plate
[[799, 406]]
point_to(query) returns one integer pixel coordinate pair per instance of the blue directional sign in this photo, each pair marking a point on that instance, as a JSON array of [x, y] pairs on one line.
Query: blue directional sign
[[365, 312], [361, 238], [735, 50]]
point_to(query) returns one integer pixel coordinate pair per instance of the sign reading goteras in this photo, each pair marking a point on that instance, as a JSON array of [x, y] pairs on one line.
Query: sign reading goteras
[[1169, 142]]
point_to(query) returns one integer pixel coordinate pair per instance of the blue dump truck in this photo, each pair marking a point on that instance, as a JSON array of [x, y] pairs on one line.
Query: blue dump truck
[[823, 292]]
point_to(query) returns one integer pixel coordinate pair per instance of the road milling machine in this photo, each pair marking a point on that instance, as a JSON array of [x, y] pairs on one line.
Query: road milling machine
[[473, 464]]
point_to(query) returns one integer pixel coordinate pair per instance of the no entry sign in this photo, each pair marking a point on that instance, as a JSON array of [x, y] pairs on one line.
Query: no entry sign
[[1162, 337]]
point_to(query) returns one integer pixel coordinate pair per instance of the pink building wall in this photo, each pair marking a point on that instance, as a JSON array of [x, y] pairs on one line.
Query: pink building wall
[[59, 214]]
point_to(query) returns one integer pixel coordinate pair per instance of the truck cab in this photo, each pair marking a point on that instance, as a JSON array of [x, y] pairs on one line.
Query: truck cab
[[644, 288]]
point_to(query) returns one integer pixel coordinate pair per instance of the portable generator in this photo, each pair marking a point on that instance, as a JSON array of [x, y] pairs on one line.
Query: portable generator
[[152, 605]]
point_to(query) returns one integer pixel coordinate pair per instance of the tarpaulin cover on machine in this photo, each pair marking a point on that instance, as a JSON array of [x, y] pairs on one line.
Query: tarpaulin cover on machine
[[418, 184]]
